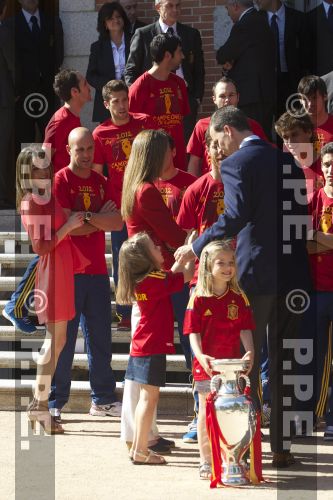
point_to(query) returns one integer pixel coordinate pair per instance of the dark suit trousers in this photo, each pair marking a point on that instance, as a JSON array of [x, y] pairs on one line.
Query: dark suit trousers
[[7, 161], [29, 126], [272, 315], [262, 113]]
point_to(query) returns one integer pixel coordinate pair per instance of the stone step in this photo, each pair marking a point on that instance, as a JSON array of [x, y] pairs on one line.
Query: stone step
[[16, 394], [4, 302], [27, 360], [9, 334], [9, 283], [8, 239], [19, 260]]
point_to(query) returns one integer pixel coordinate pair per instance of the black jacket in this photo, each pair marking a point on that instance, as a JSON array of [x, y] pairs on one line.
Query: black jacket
[[250, 48], [100, 71]]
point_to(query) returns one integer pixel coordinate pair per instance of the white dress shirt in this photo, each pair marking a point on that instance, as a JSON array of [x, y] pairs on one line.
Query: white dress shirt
[[28, 17], [119, 58], [164, 28], [281, 22]]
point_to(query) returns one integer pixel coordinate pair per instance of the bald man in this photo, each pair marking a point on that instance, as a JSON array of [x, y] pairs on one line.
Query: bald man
[[79, 188]]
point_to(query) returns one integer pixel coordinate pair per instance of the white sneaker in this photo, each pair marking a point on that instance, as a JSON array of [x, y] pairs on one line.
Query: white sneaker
[[110, 410]]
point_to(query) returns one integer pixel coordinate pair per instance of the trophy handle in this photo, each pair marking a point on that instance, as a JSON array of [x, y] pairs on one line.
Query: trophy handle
[[216, 383], [246, 380]]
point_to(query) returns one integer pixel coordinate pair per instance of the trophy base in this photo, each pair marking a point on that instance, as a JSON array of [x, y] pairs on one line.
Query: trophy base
[[234, 475]]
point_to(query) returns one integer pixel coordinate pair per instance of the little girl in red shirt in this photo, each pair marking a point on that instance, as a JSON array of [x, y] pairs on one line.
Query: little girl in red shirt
[[142, 280], [218, 317]]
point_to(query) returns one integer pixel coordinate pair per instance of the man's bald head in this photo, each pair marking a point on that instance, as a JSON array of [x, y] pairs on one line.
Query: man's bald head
[[77, 134], [81, 149]]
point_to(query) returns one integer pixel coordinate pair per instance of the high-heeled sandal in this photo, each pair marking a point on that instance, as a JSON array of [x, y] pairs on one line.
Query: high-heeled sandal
[[150, 458], [39, 412]]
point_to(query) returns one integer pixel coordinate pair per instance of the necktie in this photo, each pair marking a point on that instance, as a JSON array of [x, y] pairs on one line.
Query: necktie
[[170, 30], [275, 30], [35, 27], [330, 17]]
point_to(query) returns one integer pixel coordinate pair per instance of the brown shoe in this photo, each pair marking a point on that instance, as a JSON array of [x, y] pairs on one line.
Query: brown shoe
[[283, 460]]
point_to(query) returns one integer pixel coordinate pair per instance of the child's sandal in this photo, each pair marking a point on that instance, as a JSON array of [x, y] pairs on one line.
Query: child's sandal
[[205, 470], [150, 459]]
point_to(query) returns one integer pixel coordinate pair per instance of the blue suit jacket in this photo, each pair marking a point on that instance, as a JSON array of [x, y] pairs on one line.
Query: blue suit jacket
[[260, 206]]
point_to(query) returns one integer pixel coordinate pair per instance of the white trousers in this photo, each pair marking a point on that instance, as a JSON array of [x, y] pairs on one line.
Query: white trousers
[[131, 396]]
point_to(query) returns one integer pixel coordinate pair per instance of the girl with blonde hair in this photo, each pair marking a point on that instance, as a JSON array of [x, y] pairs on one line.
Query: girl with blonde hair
[[218, 319], [142, 279]]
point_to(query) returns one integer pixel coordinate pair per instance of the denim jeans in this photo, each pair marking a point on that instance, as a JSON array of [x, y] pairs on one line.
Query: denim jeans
[[93, 307], [18, 300]]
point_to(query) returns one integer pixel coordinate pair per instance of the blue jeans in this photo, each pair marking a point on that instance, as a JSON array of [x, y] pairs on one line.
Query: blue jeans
[[93, 305], [179, 302], [316, 324], [117, 239], [17, 302]]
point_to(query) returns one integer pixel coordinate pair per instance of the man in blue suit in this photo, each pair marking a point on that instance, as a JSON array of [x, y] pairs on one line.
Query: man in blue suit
[[264, 202]]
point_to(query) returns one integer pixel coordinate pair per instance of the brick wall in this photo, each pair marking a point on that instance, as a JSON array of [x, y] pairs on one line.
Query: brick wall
[[200, 15]]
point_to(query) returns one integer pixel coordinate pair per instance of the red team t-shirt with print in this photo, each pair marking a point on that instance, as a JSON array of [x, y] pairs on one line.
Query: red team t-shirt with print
[[155, 331], [219, 321], [197, 144], [150, 214], [202, 203], [113, 144], [324, 133], [79, 195], [172, 190], [321, 264], [56, 133], [168, 102]]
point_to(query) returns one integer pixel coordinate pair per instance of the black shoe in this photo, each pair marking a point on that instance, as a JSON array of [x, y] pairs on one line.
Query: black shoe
[[160, 449], [166, 442], [283, 460]]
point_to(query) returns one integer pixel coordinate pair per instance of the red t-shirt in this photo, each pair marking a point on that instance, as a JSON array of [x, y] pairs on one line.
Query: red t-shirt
[[219, 320], [321, 264], [154, 333], [113, 144], [172, 190], [151, 215], [85, 195], [56, 133], [168, 102], [324, 133], [202, 203], [197, 144]]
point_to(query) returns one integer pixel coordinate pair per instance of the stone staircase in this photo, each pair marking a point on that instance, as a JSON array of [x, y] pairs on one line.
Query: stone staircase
[[18, 351]]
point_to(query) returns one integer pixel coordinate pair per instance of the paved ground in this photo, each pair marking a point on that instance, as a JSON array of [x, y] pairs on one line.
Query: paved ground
[[90, 462]]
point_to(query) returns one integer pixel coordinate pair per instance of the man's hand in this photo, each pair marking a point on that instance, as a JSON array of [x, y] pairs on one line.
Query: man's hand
[[109, 206], [249, 356], [184, 254]]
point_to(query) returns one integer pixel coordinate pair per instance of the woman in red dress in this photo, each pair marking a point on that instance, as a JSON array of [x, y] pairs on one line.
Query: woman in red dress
[[48, 228]]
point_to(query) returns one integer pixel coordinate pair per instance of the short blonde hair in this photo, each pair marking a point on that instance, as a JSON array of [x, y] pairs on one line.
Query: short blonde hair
[[204, 286]]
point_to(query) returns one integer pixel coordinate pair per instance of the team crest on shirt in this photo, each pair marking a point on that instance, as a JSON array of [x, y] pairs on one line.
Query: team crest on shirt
[[232, 312], [326, 220], [208, 312]]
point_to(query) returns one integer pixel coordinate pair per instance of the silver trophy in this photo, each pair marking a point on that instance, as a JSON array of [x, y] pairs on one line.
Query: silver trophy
[[236, 417]]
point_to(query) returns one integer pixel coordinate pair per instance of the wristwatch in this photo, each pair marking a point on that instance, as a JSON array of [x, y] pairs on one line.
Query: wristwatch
[[87, 216]]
